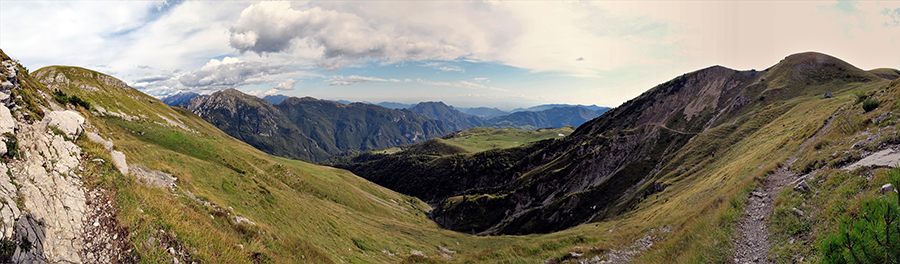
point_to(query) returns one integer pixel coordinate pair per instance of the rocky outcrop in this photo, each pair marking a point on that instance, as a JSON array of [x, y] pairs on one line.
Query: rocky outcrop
[[69, 122], [152, 178], [51, 189], [31, 235]]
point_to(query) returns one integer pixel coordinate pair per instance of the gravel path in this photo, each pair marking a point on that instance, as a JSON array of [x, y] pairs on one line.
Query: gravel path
[[754, 229]]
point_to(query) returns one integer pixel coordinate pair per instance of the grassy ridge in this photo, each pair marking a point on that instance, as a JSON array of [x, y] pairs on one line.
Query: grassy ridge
[[316, 214]]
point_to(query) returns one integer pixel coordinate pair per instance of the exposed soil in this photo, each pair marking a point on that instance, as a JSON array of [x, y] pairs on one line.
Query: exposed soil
[[104, 240]]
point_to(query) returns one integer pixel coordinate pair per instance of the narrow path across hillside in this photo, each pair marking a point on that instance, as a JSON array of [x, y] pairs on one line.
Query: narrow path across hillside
[[754, 229]]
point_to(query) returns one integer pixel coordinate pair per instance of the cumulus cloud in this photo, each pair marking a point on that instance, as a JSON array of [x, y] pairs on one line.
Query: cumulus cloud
[[344, 38], [286, 85], [230, 72], [216, 75]]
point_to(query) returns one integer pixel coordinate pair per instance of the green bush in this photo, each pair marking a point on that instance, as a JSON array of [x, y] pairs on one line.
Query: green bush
[[870, 236], [64, 99], [870, 104], [12, 145]]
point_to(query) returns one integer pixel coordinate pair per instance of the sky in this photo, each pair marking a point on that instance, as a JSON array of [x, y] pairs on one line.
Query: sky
[[504, 54]]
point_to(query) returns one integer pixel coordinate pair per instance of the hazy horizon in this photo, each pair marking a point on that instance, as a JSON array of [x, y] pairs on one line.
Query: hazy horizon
[[466, 54]]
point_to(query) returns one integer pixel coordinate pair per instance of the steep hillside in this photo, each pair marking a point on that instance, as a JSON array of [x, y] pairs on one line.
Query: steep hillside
[[311, 129], [454, 119], [553, 117], [608, 165]]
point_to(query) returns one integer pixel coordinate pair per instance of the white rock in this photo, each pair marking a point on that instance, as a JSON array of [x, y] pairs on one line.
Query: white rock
[[118, 159], [887, 188], [240, 219], [7, 121], [68, 121]]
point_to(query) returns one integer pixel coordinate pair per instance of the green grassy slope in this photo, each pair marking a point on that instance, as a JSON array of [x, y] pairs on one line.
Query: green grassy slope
[[315, 214], [302, 212]]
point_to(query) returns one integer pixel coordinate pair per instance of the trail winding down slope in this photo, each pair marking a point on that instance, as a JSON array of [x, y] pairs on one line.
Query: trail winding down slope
[[754, 245]]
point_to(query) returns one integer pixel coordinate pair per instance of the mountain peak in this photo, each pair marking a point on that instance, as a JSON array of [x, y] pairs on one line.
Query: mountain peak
[[814, 68], [55, 77]]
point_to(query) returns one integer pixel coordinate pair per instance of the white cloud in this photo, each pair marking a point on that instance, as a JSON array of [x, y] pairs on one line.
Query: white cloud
[[286, 85], [344, 38], [355, 79], [451, 68], [271, 92], [217, 75], [230, 72], [444, 67]]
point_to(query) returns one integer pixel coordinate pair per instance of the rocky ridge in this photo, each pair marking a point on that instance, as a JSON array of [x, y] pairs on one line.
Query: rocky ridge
[[47, 214]]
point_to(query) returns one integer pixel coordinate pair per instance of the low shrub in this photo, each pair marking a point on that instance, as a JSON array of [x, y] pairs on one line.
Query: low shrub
[[871, 235], [870, 104]]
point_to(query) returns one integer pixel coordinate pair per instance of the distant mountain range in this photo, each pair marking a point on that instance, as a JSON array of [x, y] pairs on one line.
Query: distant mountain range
[[312, 129], [483, 112], [598, 109], [179, 98], [454, 119], [276, 98], [541, 116]]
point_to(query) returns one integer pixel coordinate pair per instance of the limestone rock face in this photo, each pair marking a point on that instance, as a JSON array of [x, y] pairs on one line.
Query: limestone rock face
[[7, 122], [68, 121], [53, 191]]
